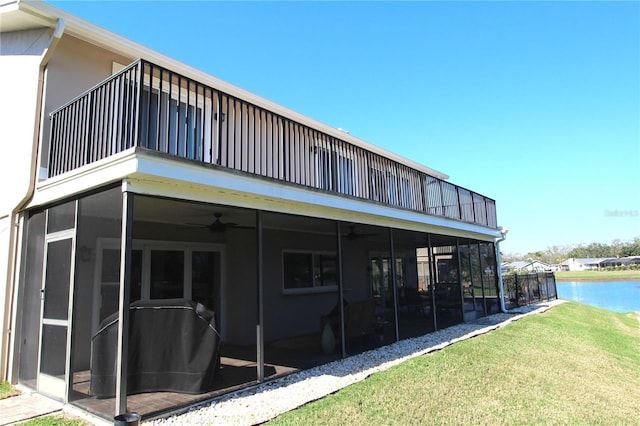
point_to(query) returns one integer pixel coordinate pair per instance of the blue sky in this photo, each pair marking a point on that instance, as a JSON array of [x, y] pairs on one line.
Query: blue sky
[[536, 105]]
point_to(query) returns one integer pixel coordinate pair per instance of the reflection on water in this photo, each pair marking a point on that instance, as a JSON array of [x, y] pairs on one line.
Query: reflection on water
[[617, 296]]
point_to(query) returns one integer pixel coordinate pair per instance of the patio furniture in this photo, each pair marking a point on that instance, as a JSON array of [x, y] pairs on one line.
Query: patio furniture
[[416, 301], [173, 346], [358, 320]]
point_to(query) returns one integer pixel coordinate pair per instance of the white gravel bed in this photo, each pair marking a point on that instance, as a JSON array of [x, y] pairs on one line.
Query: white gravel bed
[[266, 401]]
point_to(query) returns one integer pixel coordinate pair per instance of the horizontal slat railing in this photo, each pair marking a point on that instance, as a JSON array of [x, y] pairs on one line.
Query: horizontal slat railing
[[149, 106]]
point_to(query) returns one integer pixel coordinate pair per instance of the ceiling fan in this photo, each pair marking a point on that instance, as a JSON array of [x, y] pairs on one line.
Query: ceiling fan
[[218, 226], [353, 235]]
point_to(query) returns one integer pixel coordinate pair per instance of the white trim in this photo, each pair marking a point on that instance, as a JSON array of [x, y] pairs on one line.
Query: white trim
[[50, 385], [314, 289], [56, 322], [86, 178], [152, 174], [45, 382], [146, 246], [116, 67]]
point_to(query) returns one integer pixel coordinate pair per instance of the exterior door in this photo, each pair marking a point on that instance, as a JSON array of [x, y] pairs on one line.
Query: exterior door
[[55, 325]]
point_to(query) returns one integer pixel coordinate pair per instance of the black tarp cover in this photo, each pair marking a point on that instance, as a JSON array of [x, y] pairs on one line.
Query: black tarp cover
[[173, 346]]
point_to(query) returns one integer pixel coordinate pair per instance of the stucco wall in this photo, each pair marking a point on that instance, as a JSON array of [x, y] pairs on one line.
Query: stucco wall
[[240, 295], [20, 56], [75, 67]]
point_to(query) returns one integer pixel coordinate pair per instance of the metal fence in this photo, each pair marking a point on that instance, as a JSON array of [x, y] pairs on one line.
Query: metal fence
[[520, 290]]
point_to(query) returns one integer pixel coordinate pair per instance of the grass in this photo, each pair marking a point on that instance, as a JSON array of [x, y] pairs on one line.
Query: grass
[[597, 275], [574, 364], [57, 420], [6, 390]]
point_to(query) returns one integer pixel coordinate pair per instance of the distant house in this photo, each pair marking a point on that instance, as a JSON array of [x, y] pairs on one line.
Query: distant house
[[621, 261], [527, 265], [584, 264]]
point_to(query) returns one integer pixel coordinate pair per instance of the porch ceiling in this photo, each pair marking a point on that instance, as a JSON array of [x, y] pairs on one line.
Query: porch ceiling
[[185, 213], [193, 214]]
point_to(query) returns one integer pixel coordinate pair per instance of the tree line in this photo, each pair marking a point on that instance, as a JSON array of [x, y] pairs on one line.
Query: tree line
[[558, 254]]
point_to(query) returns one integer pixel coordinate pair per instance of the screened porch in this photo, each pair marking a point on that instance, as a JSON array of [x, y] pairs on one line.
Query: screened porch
[[270, 294]]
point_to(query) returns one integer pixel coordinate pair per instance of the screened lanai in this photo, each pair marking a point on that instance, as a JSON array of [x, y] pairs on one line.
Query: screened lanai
[[231, 296]]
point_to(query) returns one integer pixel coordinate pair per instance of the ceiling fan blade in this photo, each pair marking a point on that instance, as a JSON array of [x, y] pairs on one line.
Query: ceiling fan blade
[[353, 235]]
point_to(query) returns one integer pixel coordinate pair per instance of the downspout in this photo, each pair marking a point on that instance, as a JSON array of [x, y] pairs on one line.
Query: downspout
[[8, 338], [503, 231]]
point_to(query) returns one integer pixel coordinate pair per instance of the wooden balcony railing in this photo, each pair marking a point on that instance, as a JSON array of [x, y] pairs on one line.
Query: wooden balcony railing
[[148, 106]]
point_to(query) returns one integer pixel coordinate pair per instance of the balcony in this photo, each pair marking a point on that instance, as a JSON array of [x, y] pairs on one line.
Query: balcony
[[153, 108]]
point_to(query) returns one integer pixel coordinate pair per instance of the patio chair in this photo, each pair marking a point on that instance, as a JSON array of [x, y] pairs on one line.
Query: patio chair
[[416, 302], [359, 318]]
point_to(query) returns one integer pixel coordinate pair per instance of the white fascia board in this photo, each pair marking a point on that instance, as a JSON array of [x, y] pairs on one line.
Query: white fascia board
[[325, 206], [153, 174], [165, 177], [13, 17], [8, 6], [95, 175], [111, 41]]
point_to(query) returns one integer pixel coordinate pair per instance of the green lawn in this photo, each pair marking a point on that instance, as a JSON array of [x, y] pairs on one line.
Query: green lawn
[[597, 275], [574, 364], [6, 390], [58, 420]]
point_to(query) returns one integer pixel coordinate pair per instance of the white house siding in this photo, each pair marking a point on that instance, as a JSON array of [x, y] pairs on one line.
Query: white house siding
[[20, 57]]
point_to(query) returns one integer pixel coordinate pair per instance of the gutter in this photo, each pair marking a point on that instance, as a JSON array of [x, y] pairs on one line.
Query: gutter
[[8, 342], [503, 231]]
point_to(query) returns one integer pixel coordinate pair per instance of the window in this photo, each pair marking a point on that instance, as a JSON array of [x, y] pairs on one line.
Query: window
[[399, 189], [166, 274], [379, 185], [382, 279], [159, 270], [172, 126], [405, 192], [305, 271], [393, 190], [340, 164], [345, 175], [324, 169]]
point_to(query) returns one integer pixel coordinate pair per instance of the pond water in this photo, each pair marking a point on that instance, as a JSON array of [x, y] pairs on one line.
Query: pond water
[[617, 296]]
